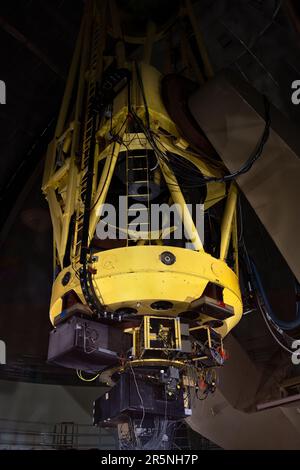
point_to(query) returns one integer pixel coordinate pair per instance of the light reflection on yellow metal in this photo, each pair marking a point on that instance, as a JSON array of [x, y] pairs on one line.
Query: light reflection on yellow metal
[[227, 220], [103, 186], [178, 198], [235, 243]]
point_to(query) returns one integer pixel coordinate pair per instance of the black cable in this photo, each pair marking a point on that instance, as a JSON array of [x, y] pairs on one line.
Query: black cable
[[257, 152]]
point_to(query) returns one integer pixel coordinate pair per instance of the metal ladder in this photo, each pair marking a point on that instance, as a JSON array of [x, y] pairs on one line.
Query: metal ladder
[[137, 168], [87, 137]]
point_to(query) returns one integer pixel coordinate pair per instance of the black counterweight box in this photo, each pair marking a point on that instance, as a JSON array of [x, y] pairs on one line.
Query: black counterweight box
[[87, 345], [124, 400]]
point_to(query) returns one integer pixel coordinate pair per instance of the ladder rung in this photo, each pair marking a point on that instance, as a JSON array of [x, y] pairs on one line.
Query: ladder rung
[[142, 223], [139, 181], [137, 169], [137, 156], [131, 209]]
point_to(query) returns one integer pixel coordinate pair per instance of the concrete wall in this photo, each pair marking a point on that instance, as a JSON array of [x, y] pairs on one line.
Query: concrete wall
[[47, 403]]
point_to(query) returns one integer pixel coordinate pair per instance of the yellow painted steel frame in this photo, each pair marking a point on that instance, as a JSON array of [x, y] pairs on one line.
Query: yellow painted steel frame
[[147, 332], [133, 276]]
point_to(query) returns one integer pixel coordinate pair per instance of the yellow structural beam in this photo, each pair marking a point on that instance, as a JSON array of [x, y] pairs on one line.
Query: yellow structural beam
[[199, 39], [178, 198], [227, 220], [103, 186]]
